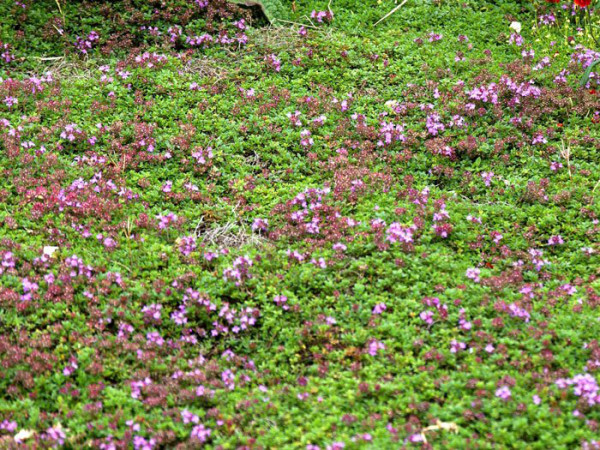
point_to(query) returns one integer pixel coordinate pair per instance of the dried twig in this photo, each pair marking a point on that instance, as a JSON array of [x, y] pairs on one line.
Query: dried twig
[[439, 426], [230, 235], [47, 58], [566, 154], [391, 12], [61, 13], [205, 67], [296, 23]]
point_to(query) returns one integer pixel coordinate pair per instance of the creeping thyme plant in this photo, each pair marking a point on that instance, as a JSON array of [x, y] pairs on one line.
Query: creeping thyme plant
[[344, 229]]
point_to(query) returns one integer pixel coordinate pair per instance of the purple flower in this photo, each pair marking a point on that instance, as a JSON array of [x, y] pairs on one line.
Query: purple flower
[[10, 101], [239, 271], [519, 312], [539, 138], [399, 233], [55, 434], [516, 39], [487, 177], [434, 37], [152, 312], [187, 245], [556, 240], [427, 317], [166, 220], [306, 140], [379, 308], [281, 300], [141, 443], [456, 346], [528, 54], [274, 62], [503, 393], [434, 124], [585, 386], [228, 379], [179, 316], [336, 446], [544, 62], [339, 247], [260, 225], [202, 155], [71, 367], [374, 346], [154, 338], [189, 417], [473, 274], [322, 16], [8, 425]]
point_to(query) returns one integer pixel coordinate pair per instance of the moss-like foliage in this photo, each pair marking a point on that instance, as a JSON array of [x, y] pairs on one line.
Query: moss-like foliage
[[330, 234]]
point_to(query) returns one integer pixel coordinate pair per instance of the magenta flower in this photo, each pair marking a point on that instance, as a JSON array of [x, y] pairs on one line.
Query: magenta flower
[[55, 434], [556, 240], [456, 346], [399, 233], [189, 417], [434, 37], [260, 225], [555, 166], [71, 367], [281, 300], [141, 443], [584, 385], [487, 177], [516, 39], [322, 16], [427, 317], [228, 379], [338, 246], [10, 101], [187, 245], [503, 393], [434, 124], [379, 308], [8, 425], [374, 346], [336, 446], [473, 274], [273, 62]]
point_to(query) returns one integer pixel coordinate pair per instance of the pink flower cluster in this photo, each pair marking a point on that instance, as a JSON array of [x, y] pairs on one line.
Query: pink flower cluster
[[584, 386], [239, 270], [85, 44], [321, 16]]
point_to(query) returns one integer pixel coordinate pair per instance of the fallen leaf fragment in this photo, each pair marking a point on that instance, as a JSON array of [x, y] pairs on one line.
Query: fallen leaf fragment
[[23, 435]]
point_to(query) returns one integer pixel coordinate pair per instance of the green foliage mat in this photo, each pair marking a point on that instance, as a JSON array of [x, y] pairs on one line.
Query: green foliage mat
[[341, 235], [272, 9]]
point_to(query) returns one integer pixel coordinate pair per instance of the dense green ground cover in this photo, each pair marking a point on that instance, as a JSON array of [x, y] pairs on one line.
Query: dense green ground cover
[[336, 235]]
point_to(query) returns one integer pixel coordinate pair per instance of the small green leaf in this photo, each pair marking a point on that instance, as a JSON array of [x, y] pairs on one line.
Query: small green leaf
[[586, 76], [273, 9]]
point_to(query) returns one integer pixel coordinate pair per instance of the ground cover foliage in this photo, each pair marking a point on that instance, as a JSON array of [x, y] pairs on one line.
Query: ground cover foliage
[[216, 233]]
